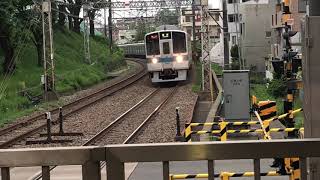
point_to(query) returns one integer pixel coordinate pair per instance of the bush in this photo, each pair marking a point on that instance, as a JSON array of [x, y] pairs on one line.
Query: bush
[[277, 88]]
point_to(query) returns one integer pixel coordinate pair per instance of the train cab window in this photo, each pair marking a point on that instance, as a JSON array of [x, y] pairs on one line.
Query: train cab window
[[152, 44], [179, 42], [166, 48]]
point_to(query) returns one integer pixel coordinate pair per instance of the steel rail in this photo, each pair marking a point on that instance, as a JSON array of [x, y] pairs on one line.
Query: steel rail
[[100, 134], [96, 137], [112, 89]]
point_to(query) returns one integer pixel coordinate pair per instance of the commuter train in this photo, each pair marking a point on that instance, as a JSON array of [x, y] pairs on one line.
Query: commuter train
[[166, 52]]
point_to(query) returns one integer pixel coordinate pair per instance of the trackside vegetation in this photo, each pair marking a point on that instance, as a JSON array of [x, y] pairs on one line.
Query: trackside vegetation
[[72, 73]]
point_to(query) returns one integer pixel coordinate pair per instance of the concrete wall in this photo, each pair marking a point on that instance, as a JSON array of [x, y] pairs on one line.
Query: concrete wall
[[255, 45]]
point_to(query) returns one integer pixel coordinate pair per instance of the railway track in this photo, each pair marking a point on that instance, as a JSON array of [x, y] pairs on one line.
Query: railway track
[[128, 125], [17, 132]]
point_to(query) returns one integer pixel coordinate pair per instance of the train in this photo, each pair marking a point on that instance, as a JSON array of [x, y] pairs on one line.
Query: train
[[166, 52]]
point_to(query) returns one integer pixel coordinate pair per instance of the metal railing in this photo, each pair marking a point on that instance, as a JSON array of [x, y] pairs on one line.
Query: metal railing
[[116, 155]]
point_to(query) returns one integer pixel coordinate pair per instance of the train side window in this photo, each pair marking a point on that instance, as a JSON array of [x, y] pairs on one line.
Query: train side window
[[166, 48]]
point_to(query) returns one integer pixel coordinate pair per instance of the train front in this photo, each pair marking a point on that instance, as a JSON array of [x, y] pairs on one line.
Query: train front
[[167, 56]]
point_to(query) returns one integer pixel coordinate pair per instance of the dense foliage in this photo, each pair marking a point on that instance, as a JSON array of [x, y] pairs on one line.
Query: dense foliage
[[21, 53]]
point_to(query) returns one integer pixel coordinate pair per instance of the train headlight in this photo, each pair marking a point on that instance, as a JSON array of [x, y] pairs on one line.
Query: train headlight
[[179, 59], [154, 60]]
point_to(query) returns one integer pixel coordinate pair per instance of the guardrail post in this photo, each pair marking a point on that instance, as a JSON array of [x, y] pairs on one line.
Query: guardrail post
[[91, 171], [60, 121], [5, 173], [165, 170], [45, 172], [303, 168], [210, 169], [115, 168], [48, 117], [256, 164]]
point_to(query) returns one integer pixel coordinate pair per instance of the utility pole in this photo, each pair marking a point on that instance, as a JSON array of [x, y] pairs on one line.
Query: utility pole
[[110, 25], [48, 58], [193, 32], [225, 33], [86, 38], [205, 44], [311, 81], [105, 21]]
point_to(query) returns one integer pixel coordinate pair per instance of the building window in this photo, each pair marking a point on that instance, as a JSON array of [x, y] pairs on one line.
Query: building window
[[245, 0], [189, 31], [302, 6], [188, 18], [242, 29], [268, 34], [232, 18], [234, 40], [272, 20], [232, 1], [132, 36], [121, 37]]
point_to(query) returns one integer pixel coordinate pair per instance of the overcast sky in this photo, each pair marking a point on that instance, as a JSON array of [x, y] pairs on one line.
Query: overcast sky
[[214, 3]]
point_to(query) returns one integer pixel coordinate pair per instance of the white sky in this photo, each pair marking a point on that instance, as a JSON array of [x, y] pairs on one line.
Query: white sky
[[212, 4], [215, 3]]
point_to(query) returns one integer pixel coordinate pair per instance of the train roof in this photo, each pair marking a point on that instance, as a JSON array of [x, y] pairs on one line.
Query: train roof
[[164, 31], [133, 44]]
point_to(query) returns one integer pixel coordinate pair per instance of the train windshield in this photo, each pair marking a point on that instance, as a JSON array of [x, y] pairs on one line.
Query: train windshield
[[152, 44], [179, 42]]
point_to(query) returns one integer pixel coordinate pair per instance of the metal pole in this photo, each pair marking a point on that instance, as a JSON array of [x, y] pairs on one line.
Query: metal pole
[[105, 22], [193, 32], [48, 117], [225, 33], [110, 25], [60, 121], [256, 163], [178, 122], [314, 7], [45, 172], [91, 171], [165, 170], [5, 173], [48, 62], [86, 38], [210, 169]]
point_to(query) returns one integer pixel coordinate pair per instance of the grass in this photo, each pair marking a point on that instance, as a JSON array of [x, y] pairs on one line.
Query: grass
[[196, 87], [217, 69], [262, 94], [72, 73]]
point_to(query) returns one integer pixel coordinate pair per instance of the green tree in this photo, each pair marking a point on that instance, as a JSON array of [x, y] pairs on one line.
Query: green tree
[[142, 28], [12, 30], [168, 17]]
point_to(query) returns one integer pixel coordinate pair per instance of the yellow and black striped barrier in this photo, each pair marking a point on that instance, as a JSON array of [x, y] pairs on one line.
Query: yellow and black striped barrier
[[223, 175], [188, 127], [239, 123], [267, 109], [224, 132]]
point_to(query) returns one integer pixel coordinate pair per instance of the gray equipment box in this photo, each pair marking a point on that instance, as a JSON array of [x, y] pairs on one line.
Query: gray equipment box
[[236, 93]]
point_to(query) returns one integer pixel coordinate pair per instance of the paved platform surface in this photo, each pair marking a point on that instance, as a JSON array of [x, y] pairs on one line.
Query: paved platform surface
[[148, 171]]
